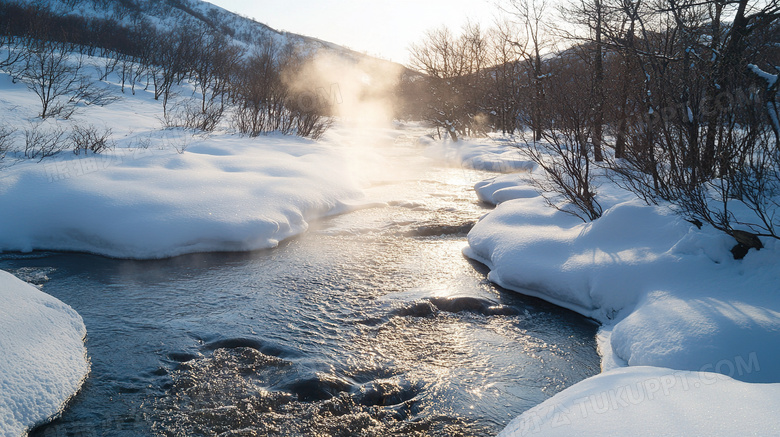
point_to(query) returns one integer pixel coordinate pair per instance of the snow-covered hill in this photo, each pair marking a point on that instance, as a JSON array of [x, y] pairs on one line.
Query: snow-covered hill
[[168, 14]]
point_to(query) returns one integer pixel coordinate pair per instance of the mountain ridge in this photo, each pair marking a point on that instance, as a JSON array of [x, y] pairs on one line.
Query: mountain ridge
[[168, 14]]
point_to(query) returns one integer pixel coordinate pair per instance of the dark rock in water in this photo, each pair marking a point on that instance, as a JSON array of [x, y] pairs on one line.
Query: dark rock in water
[[181, 357], [472, 304], [459, 304], [417, 309], [437, 230], [455, 305], [318, 388], [501, 310], [745, 242], [265, 347], [234, 343], [386, 392]]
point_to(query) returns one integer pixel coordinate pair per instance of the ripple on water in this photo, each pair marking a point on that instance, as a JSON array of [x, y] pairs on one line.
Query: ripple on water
[[241, 391]]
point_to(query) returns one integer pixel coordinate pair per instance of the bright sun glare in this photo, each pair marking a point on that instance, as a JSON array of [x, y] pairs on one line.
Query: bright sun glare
[[379, 28]]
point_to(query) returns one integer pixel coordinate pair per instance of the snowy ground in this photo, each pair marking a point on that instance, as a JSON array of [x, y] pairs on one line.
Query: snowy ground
[[43, 360], [496, 154], [676, 309], [674, 305], [160, 192]]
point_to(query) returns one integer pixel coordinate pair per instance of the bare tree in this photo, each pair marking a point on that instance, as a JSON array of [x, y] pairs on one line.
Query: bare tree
[[564, 151], [13, 51], [455, 68], [531, 15], [214, 63], [55, 75], [51, 75], [506, 76], [706, 143]]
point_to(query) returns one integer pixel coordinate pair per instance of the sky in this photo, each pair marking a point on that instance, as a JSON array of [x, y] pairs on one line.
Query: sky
[[381, 28]]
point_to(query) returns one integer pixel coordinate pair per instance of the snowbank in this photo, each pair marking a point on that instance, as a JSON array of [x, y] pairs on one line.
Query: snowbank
[[43, 360], [160, 192], [222, 194], [502, 188], [655, 401], [668, 295], [489, 154]]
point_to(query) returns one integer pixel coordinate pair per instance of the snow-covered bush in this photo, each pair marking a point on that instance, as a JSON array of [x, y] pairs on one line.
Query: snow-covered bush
[[90, 139]]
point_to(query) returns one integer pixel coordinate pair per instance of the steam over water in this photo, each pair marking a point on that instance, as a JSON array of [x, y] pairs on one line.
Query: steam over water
[[370, 324]]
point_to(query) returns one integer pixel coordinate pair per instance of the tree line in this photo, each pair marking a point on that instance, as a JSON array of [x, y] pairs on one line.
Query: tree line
[[47, 52], [676, 98]]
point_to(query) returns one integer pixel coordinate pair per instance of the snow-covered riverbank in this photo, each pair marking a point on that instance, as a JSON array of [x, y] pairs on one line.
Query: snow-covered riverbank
[[160, 192], [668, 295], [222, 194], [43, 361]]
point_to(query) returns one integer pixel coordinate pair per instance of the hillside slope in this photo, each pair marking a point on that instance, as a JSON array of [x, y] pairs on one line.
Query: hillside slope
[[168, 14]]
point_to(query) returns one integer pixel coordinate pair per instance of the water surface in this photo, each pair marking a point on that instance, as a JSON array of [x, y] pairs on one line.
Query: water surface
[[372, 323]]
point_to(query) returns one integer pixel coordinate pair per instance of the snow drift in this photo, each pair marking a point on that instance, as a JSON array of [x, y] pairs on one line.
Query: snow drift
[[160, 192], [676, 310], [670, 294], [654, 401], [494, 154], [222, 194], [43, 360]]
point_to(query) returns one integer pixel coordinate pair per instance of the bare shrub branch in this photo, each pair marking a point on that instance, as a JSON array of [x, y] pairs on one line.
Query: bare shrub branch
[[90, 139], [41, 142]]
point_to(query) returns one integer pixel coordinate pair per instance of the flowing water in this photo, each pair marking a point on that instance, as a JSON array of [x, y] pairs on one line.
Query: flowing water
[[371, 323]]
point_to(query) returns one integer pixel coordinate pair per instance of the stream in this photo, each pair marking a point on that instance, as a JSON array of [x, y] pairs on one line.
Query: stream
[[371, 323]]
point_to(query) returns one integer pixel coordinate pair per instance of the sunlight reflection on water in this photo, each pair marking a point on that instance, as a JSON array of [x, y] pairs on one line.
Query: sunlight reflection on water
[[369, 324]]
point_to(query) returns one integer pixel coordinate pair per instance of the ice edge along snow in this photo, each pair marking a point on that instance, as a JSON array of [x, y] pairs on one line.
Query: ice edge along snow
[[43, 361], [677, 313]]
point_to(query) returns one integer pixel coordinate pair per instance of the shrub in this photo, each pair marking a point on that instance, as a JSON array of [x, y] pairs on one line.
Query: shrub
[[40, 142], [90, 139]]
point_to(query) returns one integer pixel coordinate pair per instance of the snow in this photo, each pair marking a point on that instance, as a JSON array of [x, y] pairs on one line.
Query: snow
[[655, 401], [770, 78], [494, 154], [771, 106], [668, 296], [43, 361], [162, 192], [221, 194], [502, 188]]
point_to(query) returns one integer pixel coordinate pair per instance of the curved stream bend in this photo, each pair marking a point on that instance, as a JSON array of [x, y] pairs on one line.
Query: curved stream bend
[[372, 323]]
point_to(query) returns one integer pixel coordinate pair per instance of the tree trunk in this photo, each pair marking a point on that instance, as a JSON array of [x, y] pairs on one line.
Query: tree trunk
[[598, 88], [723, 70]]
